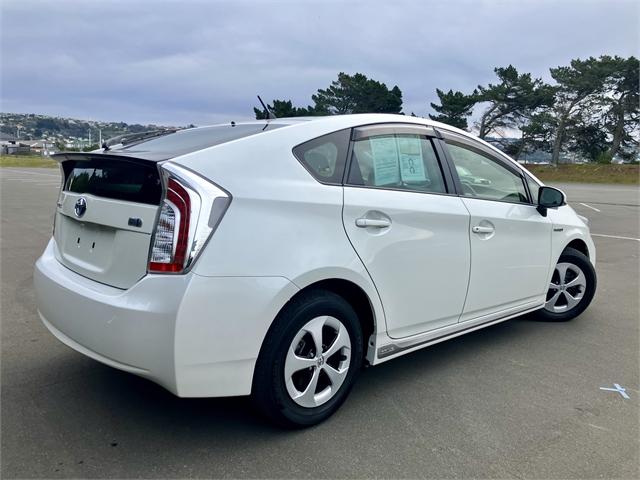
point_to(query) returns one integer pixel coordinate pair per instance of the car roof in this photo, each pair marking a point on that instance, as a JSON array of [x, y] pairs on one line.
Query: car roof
[[182, 142], [164, 145]]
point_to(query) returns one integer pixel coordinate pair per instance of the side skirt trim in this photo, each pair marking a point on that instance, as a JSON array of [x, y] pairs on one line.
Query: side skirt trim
[[393, 349]]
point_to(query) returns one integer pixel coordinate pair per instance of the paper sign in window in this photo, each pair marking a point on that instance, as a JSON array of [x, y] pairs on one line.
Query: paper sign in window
[[411, 161], [385, 160]]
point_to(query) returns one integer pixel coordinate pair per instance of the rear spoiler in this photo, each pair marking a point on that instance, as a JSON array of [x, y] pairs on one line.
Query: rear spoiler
[[133, 156], [95, 155], [67, 160]]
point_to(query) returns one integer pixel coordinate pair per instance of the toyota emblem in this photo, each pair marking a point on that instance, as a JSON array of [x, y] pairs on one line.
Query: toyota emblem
[[80, 207]]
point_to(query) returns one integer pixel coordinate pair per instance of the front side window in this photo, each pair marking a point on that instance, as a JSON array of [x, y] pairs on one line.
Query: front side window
[[397, 161], [534, 188], [324, 157], [483, 177]]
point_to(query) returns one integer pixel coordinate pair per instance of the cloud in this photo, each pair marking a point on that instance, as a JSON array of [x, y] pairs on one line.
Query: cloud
[[179, 62]]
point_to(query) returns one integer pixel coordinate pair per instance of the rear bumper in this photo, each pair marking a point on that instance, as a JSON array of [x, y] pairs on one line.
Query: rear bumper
[[196, 336]]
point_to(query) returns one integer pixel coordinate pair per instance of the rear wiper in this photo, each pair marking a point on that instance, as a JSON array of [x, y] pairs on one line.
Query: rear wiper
[[129, 138]]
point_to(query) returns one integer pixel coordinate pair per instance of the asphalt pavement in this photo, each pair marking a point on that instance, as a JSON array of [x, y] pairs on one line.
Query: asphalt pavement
[[521, 399]]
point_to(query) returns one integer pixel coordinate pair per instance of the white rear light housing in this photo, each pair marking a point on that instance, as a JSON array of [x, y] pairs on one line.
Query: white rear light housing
[[59, 200], [190, 211]]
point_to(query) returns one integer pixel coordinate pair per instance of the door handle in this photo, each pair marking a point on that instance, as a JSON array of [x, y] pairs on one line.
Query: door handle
[[481, 229], [372, 222]]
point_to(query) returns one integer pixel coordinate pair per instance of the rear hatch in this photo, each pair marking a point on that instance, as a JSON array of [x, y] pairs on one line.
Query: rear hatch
[[105, 216], [109, 203]]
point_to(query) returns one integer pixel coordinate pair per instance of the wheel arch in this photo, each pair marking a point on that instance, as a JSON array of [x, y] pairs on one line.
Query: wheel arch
[[366, 306], [356, 297], [579, 245]]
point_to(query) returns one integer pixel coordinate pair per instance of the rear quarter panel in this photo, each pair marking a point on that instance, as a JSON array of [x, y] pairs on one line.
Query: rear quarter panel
[[281, 221]]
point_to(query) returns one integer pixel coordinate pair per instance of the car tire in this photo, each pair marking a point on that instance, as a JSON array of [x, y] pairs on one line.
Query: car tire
[[573, 285], [282, 393]]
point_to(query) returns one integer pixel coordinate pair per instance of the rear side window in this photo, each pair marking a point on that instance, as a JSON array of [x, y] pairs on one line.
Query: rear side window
[[397, 161], [119, 180], [325, 156]]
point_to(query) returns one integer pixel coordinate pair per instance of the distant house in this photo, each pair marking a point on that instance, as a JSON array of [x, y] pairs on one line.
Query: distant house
[[39, 146], [13, 148], [10, 145]]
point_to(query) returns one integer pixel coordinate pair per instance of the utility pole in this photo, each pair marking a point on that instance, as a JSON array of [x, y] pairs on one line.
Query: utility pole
[[89, 137], [100, 138]]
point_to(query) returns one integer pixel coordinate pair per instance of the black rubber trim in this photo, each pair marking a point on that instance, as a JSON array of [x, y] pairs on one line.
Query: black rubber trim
[[347, 163], [446, 164]]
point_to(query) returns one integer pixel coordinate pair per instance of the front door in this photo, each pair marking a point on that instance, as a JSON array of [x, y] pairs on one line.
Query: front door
[[510, 239]]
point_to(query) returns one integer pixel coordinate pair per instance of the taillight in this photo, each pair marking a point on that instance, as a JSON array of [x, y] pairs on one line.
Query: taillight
[[189, 213], [172, 230]]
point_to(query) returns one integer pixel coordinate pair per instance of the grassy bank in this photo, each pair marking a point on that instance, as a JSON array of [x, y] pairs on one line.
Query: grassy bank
[[588, 173], [26, 161]]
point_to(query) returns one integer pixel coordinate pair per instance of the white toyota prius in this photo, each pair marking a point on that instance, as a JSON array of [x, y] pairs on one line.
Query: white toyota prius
[[276, 258]]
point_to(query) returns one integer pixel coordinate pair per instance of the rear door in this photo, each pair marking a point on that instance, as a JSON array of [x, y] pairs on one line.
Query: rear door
[[105, 216], [407, 228], [510, 240]]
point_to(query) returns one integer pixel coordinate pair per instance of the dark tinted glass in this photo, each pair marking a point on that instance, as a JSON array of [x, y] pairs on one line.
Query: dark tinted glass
[[193, 139], [325, 156], [119, 180]]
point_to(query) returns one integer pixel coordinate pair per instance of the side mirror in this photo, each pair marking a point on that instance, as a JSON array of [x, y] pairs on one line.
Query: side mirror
[[549, 197]]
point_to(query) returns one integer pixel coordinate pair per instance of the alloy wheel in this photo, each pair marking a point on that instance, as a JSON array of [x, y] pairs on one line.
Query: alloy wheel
[[317, 361], [567, 287]]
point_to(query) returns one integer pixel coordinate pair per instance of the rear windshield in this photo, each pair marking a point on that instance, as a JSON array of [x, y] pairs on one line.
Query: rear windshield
[[116, 179], [193, 139]]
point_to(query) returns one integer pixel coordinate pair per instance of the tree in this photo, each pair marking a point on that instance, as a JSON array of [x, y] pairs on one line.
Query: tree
[[622, 106], [454, 108], [50, 124], [578, 85], [283, 109], [538, 133], [589, 141], [357, 94], [512, 101]]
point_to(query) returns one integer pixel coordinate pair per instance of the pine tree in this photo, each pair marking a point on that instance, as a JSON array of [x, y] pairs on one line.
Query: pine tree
[[454, 108]]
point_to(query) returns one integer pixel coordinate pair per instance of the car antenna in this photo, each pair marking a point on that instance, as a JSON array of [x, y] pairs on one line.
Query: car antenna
[[269, 113]]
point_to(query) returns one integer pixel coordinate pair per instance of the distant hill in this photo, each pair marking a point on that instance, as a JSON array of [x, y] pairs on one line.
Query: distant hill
[[66, 132]]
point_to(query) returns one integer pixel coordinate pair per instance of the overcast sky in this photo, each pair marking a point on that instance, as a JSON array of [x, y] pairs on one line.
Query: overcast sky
[[180, 62]]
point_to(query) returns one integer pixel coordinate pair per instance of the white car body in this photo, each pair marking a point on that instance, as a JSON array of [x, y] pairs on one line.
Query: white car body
[[427, 278]]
